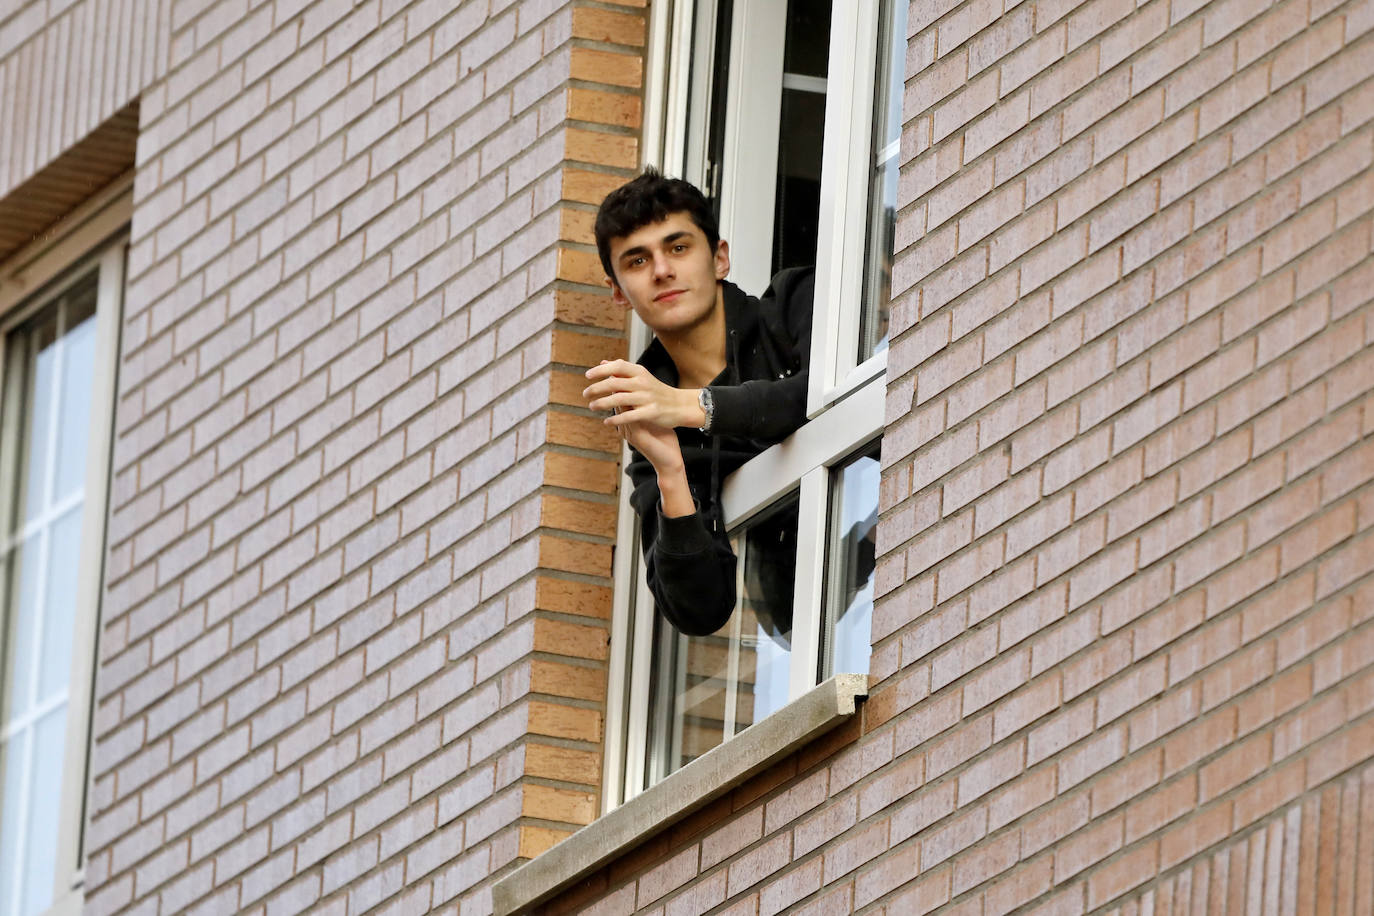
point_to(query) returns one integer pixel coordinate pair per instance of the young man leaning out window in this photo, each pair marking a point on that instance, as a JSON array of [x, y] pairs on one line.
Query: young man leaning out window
[[724, 378]]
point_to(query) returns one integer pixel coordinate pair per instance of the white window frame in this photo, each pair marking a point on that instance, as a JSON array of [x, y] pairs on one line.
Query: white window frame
[[674, 140], [848, 155], [94, 237]]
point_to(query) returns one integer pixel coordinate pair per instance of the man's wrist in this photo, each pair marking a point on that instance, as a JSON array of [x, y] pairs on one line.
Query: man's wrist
[[691, 413], [670, 468], [675, 496], [706, 402]]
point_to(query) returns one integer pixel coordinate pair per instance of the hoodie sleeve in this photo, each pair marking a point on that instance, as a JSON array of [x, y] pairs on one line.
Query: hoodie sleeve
[[774, 408], [690, 569]]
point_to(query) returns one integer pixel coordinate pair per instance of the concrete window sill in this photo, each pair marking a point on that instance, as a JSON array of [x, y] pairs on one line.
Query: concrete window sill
[[685, 791]]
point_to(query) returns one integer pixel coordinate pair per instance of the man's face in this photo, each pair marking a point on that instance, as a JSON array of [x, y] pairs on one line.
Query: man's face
[[668, 274]]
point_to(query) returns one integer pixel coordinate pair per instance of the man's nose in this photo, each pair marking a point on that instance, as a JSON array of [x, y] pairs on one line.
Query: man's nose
[[663, 266]]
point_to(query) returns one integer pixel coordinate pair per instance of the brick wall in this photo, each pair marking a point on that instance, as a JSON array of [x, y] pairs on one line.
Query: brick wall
[[1310, 858], [354, 636], [353, 644], [1122, 649]]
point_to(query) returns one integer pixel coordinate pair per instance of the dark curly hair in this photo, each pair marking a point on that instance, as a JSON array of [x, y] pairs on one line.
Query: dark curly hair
[[650, 198]]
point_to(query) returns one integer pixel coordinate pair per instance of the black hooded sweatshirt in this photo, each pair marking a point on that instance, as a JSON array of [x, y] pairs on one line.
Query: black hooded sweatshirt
[[760, 399]]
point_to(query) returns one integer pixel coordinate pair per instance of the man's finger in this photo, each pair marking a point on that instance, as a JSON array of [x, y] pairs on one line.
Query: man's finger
[[615, 367], [609, 386], [612, 385], [616, 401], [598, 392], [634, 415]]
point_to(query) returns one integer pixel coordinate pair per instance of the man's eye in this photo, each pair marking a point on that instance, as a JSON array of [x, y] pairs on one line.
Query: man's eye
[[679, 247]]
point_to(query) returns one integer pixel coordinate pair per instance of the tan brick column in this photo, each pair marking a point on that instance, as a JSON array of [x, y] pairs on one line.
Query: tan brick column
[[572, 606]]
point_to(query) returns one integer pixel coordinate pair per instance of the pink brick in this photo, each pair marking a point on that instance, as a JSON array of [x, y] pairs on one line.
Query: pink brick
[[853, 851], [824, 826]]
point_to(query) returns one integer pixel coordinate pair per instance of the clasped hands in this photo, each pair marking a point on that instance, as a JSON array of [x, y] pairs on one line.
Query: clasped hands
[[637, 398], [647, 412]]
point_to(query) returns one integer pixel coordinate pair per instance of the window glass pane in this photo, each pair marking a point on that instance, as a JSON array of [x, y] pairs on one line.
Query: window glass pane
[[13, 755], [41, 859], [768, 554], [882, 207], [796, 215], [78, 358], [709, 688], [39, 345], [712, 85], [796, 218], [854, 525], [55, 354], [21, 627], [64, 550], [806, 48]]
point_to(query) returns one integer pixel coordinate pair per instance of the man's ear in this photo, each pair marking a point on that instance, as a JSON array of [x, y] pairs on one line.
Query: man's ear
[[617, 294], [722, 259]]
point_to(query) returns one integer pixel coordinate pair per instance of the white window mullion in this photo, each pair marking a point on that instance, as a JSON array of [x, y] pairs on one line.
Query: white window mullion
[[638, 733], [675, 743], [622, 753], [731, 714], [810, 583]]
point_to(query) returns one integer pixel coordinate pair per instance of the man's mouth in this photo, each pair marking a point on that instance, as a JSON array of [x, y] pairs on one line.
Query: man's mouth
[[668, 295]]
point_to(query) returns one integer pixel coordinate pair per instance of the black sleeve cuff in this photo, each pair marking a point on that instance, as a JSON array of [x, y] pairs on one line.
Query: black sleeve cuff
[[733, 413], [682, 536]]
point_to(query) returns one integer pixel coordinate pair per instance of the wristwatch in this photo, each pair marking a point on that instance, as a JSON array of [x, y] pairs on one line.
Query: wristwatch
[[708, 407]]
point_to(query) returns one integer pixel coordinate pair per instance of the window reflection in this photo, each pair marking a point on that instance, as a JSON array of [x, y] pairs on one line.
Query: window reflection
[[709, 688], [853, 528], [882, 207]]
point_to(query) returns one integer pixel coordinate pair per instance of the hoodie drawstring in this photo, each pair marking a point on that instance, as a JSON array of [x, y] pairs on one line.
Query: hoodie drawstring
[[718, 511]]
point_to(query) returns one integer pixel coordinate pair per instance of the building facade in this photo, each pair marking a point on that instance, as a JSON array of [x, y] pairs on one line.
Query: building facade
[[320, 589]]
